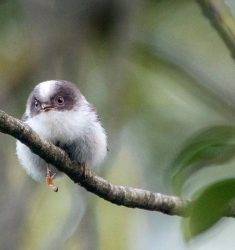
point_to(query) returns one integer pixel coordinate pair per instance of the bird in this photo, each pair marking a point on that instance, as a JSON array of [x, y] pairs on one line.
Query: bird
[[58, 112]]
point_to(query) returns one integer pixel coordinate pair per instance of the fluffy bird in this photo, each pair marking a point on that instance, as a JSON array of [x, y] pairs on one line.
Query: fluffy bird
[[58, 112]]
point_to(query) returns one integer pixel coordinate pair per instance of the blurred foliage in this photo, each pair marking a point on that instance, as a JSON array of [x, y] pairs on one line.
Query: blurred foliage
[[209, 206], [157, 80], [211, 147], [214, 146]]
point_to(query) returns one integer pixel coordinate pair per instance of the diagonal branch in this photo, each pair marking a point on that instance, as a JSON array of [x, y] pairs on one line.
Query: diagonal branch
[[119, 195], [222, 19]]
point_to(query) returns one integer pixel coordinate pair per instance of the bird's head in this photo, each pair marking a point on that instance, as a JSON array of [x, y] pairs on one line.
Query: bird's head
[[54, 95]]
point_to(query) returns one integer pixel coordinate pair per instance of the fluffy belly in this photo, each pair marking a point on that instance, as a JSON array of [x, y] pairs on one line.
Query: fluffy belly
[[35, 166], [84, 140]]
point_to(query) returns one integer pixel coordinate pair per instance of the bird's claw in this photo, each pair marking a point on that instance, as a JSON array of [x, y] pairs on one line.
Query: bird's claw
[[85, 170], [49, 179]]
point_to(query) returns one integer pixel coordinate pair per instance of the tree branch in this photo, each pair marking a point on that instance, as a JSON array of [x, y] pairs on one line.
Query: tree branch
[[119, 195], [222, 19]]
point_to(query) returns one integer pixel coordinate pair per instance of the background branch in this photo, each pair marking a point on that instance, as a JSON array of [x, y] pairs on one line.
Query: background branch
[[222, 19], [120, 195]]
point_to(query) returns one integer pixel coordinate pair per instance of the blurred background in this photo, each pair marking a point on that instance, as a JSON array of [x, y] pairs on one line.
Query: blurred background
[[157, 71]]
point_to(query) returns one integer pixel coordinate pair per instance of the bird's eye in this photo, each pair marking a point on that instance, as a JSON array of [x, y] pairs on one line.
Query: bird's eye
[[36, 103], [59, 100]]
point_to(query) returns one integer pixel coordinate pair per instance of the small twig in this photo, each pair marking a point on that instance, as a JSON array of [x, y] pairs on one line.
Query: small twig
[[223, 20], [120, 195]]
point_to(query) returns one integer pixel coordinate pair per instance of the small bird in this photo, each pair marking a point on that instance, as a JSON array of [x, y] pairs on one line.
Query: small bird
[[58, 112]]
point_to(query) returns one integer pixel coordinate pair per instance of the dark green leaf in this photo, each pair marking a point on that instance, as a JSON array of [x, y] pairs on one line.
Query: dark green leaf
[[212, 146], [208, 207]]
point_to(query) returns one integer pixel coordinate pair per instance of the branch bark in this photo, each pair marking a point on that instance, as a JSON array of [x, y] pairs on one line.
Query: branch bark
[[222, 19], [119, 195]]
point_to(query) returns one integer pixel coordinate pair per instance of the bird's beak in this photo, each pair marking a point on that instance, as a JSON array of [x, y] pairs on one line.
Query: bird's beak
[[46, 107]]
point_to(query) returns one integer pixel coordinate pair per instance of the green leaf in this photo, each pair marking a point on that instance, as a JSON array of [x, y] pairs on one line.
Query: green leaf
[[208, 207], [212, 146]]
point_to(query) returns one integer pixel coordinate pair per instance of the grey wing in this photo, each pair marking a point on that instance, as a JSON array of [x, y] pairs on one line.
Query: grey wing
[[98, 119], [68, 148], [77, 151]]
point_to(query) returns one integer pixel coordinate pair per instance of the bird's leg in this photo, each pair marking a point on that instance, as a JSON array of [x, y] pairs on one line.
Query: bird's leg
[[49, 179], [85, 170]]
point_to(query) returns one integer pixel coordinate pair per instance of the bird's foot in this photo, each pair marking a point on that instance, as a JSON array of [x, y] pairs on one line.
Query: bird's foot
[[85, 170], [49, 179]]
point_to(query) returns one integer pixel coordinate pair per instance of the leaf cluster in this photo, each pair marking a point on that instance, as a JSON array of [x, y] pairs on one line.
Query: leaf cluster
[[213, 146]]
